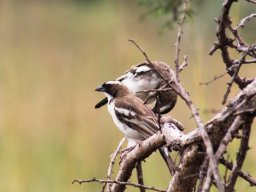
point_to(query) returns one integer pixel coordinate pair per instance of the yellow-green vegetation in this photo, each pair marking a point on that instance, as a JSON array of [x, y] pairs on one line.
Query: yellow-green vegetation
[[53, 55]]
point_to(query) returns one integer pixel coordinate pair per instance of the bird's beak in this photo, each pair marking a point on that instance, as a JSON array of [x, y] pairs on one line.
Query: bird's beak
[[100, 89]]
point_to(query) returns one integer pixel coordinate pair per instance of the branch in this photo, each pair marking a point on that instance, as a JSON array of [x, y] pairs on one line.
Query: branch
[[241, 174], [224, 42], [140, 175], [112, 162], [241, 155], [214, 79], [245, 20], [222, 148], [139, 153], [94, 180], [177, 44]]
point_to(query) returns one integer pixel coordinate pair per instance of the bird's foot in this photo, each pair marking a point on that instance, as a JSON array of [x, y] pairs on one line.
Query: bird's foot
[[125, 152]]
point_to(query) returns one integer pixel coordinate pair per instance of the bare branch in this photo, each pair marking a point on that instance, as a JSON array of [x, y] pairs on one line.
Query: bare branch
[[240, 155], [177, 44], [94, 180], [222, 148], [141, 49], [184, 64], [140, 175], [111, 164], [241, 174], [214, 79], [234, 77], [245, 20], [224, 42], [139, 153]]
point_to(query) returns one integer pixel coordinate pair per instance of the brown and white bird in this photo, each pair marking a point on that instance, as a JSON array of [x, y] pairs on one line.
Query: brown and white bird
[[135, 119], [144, 77]]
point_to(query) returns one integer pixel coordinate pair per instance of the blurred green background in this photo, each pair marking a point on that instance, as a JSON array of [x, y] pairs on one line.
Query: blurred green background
[[52, 56]]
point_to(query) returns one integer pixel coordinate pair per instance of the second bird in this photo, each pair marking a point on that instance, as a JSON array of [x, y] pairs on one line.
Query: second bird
[[144, 77]]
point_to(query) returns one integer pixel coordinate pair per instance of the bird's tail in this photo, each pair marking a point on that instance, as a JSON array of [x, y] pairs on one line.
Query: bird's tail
[[169, 162], [101, 103]]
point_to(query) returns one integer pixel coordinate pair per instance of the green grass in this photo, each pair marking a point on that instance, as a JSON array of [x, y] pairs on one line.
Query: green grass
[[52, 56]]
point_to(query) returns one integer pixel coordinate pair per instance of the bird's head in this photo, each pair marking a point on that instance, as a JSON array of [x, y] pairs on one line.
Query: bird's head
[[113, 89]]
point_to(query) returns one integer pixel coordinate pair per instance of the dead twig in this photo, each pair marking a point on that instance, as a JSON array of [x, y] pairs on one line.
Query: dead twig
[[244, 21], [94, 180], [177, 44], [111, 164], [247, 177], [246, 129], [214, 79], [140, 175], [222, 148]]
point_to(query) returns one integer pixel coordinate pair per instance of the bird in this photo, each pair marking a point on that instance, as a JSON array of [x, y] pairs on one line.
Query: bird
[[135, 119], [144, 76]]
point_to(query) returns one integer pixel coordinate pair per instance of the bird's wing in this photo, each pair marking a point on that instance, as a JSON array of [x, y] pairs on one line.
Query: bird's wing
[[131, 111]]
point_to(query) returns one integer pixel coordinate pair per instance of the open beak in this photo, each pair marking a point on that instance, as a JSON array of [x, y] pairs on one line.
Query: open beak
[[100, 89]]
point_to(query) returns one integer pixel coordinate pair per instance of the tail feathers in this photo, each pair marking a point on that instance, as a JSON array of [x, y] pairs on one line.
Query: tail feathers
[[101, 103], [169, 162]]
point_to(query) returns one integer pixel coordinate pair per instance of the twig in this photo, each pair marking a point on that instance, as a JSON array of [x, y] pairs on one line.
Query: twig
[[246, 129], [177, 44], [184, 64], [241, 174], [141, 49], [226, 173], [202, 174], [234, 77], [117, 182], [140, 175], [214, 79], [222, 148], [228, 137], [245, 20], [111, 164], [250, 61]]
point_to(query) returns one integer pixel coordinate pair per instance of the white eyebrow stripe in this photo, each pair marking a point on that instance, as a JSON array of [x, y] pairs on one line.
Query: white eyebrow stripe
[[142, 69], [114, 82], [125, 112]]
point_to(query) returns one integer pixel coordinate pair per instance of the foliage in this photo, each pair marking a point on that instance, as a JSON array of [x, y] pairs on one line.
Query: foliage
[[170, 10]]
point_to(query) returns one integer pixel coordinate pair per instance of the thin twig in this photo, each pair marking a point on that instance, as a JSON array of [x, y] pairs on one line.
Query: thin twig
[[214, 79], [141, 49], [140, 175], [111, 164], [222, 148], [202, 174], [234, 77], [245, 20], [241, 174], [184, 64], [94, 180], [246, 129], [177, 44]]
